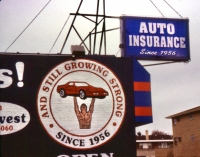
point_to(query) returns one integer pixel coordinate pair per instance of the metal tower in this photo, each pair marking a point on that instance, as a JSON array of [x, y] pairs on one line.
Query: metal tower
[[99, 19]]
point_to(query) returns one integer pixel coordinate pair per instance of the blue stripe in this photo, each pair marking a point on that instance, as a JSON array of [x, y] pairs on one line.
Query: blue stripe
[[144, 119], [140, 74], [142, 98]]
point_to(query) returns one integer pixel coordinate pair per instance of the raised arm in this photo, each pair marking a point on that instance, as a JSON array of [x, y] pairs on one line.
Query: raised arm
[[92, 105], [76, 106]]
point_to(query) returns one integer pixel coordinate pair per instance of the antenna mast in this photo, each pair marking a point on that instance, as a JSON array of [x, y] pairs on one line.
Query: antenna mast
[[93, 32]]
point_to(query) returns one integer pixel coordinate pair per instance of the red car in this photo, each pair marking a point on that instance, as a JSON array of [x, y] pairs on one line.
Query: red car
[[81, 89]]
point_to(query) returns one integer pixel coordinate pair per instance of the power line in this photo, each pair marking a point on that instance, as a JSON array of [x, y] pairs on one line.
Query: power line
[[59, 34], [157, 8], [173, 9], [27, 26], [159, 63]]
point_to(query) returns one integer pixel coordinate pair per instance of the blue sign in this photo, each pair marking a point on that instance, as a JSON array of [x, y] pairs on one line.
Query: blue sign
[[155, 38]]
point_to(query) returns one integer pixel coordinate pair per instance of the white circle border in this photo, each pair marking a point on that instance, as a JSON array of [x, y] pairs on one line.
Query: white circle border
[[57, 133]]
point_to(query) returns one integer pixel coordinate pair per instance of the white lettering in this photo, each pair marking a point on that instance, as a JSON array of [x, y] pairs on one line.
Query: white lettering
[[105, 155], [143, 28], [153, 29], [7, 80], [149, 41], [170, 28], [92, 155], [182, 42], [176, 44], [170, 41], [163, 42], [136, 40], [130, 40], [142, 41], [89, 155], [146, 52], [161, 26], [157, 41]]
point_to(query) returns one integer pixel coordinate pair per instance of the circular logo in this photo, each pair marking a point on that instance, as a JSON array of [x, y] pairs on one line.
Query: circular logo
[[81, 104]]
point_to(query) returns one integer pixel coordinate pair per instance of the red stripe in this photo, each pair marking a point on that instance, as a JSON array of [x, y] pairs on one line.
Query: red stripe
[[143, 111], [142, 86]]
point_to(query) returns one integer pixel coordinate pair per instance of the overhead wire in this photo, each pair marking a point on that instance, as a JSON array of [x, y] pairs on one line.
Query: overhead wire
[[157, 8], [67, 21], [168, 5], [160, 63], [163, 16], [27, 26], [59, 34], [172, 8]]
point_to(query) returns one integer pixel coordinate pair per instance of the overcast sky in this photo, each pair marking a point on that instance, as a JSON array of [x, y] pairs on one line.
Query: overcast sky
[[175, 87]]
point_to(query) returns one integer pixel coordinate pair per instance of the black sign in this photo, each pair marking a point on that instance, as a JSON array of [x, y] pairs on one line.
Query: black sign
[[56, 106]]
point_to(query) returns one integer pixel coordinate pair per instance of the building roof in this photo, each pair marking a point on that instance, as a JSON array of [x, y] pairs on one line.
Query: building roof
[[146, 141], [154, 137], [184, 112]]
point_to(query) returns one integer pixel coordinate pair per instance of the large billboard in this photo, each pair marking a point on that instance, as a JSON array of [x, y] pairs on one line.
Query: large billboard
[[155, 38], [59, 106]]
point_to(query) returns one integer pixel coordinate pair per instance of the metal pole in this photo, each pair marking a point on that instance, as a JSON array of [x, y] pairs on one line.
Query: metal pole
[[90, 44], [96, 26], [80, 38], [101, 39], [104, 13], [71, 27]]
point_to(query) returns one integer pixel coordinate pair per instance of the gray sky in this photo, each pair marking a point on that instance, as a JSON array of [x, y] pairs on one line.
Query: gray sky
[[175, 87]]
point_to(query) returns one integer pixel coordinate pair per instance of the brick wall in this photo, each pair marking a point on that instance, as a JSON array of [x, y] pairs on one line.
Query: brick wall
[[146, 152], [187, 134], [165, 152]]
